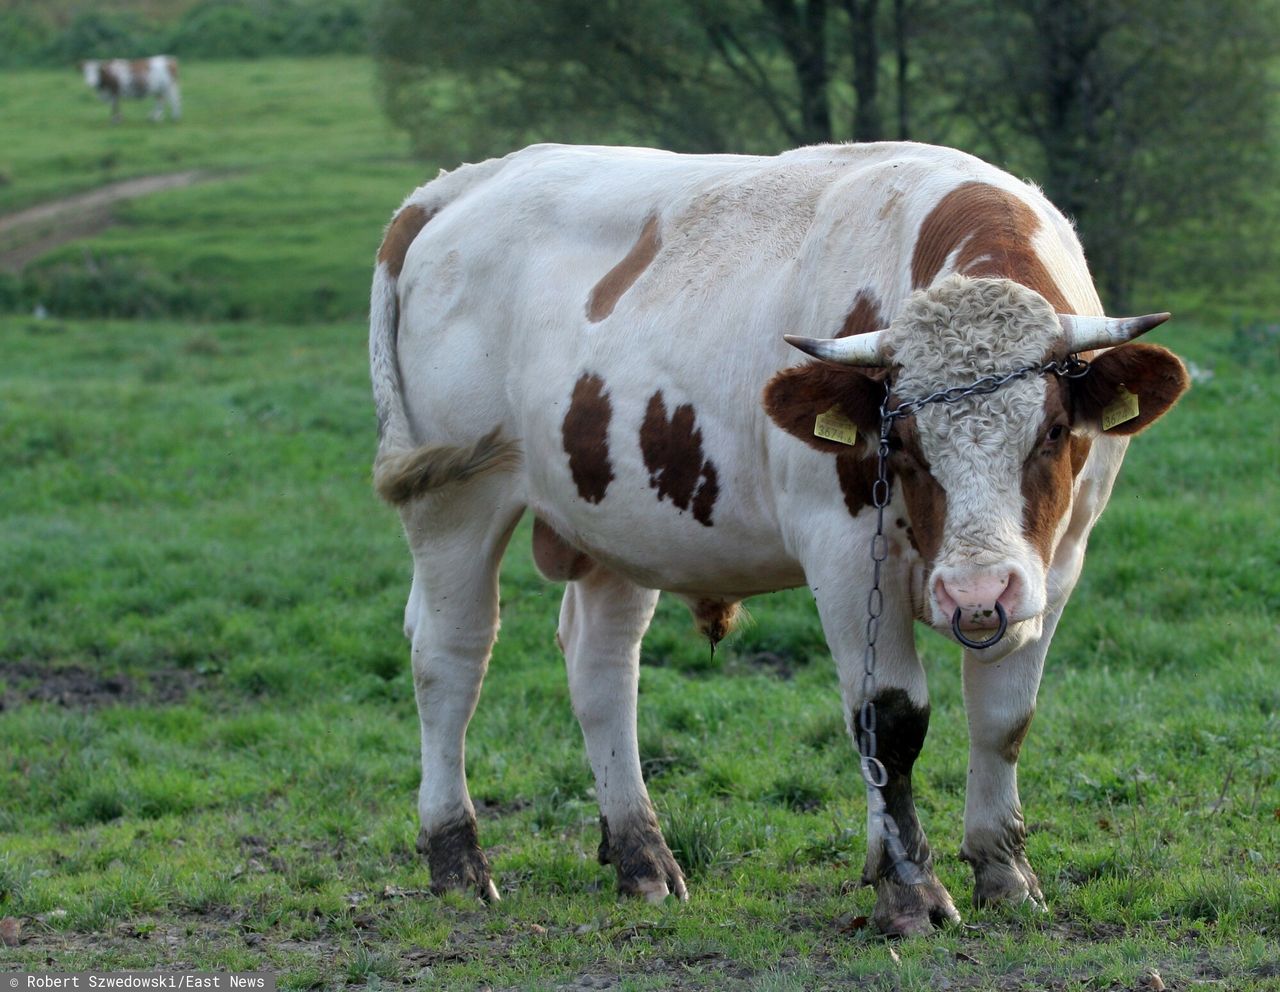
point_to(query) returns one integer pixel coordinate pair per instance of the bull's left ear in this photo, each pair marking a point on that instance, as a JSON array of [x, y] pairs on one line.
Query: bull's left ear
[[1155, 375]]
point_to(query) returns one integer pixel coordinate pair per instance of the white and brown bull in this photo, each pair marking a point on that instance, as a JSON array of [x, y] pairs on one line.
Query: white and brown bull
[[136, 79], [596, 335]]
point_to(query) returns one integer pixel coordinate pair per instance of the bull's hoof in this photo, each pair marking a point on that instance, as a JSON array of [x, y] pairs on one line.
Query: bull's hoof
[[912, 910], [1011, 883], [645, 865], [455, 860]]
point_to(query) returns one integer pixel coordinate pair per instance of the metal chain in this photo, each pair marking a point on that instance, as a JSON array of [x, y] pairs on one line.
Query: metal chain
[[874, 772]]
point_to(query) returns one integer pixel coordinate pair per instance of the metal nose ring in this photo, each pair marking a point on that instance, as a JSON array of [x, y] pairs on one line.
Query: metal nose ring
[[979, 645]]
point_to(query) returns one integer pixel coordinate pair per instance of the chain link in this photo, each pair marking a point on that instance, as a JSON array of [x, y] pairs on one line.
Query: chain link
[[874, 772]]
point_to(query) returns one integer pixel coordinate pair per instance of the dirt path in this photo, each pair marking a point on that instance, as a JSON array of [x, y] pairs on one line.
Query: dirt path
[[29, 233]]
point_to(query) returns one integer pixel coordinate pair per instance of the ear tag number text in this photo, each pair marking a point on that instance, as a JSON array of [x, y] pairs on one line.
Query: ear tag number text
[[835, 426], [1121, 409]]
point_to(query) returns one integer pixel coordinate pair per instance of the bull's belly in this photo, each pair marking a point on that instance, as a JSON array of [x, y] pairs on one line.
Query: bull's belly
[[659, 547]]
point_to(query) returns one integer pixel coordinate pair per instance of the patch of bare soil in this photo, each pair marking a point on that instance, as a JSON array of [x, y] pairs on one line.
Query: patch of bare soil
[[80, 688], [28, 234], [171, 943]]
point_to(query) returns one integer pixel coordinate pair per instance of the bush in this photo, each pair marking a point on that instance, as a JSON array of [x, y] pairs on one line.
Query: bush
[[111, 286], [221, 30], [99, 36], [22, 39]]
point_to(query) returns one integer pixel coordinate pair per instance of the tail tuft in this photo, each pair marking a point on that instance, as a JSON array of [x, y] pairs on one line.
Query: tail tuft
[[400, 476]]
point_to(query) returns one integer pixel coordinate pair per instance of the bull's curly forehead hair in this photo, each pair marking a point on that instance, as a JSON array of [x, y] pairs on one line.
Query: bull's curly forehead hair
[[965, 328]]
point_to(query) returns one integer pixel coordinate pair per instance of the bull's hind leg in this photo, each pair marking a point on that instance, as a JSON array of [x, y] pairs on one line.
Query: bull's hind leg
[[901, 699], [1000, 700], [452, 620], [602, 619]]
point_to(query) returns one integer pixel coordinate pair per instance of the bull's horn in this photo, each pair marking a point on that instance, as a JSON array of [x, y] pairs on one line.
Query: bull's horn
[[1087, 333], [858, 349]]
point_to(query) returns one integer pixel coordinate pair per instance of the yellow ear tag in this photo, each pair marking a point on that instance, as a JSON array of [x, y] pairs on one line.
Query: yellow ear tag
[[835, 426], [1123, 408]]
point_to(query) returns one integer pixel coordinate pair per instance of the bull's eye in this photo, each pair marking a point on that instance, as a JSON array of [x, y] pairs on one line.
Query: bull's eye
[[1055, 432]]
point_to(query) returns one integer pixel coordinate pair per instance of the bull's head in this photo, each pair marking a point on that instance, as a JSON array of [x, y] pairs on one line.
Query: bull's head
[[988, 481]]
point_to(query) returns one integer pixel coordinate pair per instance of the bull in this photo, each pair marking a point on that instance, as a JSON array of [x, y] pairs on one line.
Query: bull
[[596, 336], [136, 79]]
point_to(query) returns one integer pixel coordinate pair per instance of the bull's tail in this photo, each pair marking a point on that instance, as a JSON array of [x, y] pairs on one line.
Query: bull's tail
[[404, 469], [384, 369], [400, 476]]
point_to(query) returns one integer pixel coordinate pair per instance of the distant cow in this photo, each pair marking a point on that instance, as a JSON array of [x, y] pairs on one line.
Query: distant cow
[[595, 336], [136, 79]]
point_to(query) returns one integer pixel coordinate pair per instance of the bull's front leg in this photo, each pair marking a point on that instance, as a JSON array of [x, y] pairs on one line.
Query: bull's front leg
[[1000, 700], [901, 719]]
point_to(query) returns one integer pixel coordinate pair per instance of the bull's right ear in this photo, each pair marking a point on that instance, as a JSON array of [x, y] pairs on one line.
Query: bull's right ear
[[796, 398]]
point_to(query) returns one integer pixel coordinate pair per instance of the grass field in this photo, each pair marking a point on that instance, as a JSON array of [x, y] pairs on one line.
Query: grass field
[[302, 174], [208, 744]]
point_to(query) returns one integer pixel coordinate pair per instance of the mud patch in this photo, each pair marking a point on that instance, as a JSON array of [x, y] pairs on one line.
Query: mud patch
[[80, 688], [27, 234]]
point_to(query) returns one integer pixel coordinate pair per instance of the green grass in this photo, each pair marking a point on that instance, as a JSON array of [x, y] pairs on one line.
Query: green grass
[[208, 742], [305, 172], [188, 518]]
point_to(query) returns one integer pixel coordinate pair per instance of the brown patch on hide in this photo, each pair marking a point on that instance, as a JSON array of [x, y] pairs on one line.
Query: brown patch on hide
[[611, 287], [857, 473], [991, 231], [556, 558], [140, 73], [1047, 476], [1012, 745], [404, 227], [585, 435], [890, 203], [672, 450], [455, 859], [715, 618], [404, 475], [108, 81], [926, 500], [864, 317], [1080, 448], [1154, 374], [795, 397], [172, 65]]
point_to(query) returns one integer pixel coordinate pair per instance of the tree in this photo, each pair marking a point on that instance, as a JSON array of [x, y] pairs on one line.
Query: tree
[[694, 75], [1140, 119]]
